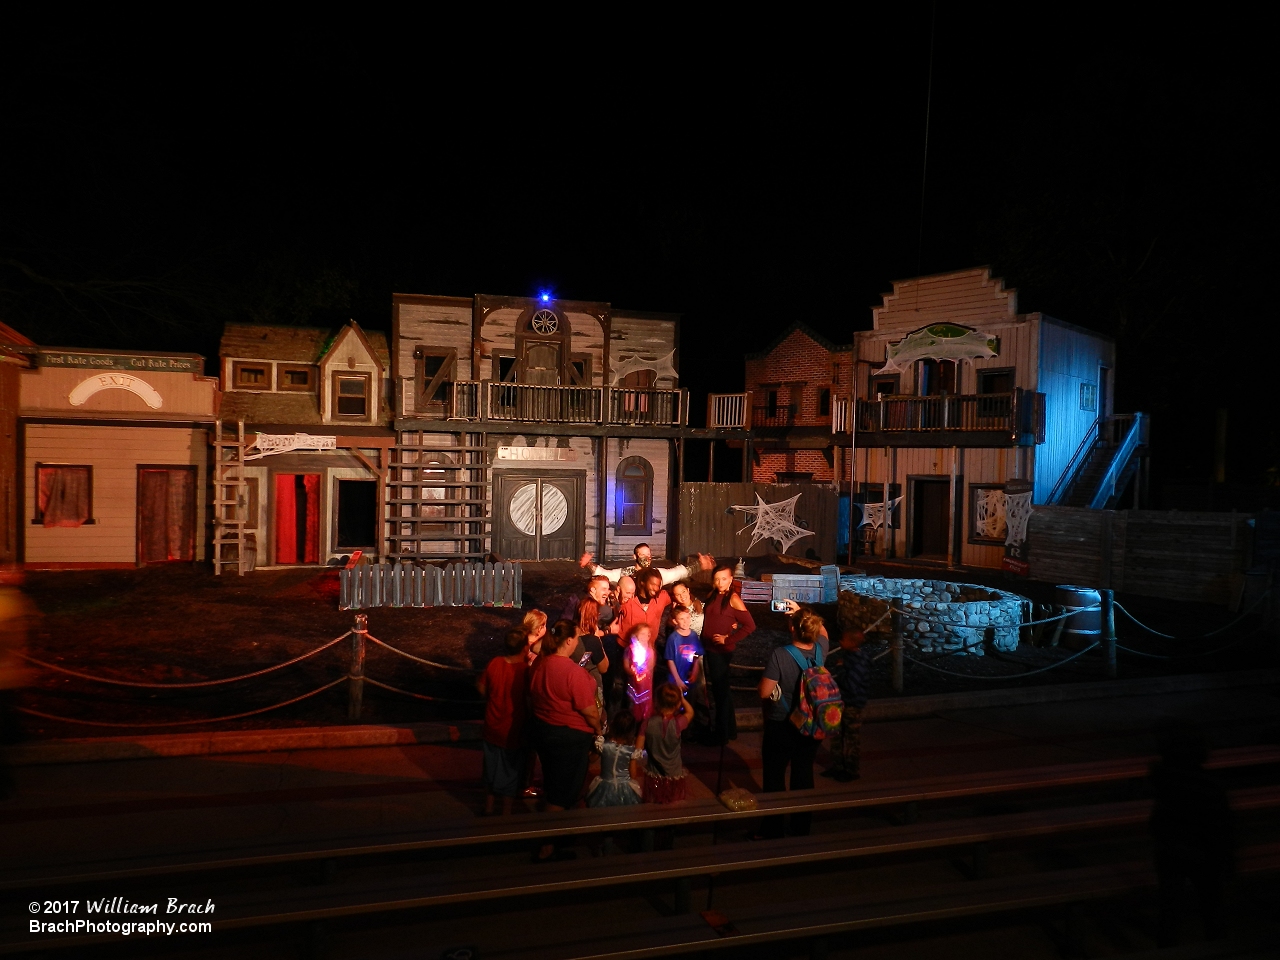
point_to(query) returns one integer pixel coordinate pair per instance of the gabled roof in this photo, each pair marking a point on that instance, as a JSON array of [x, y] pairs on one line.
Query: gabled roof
[[808, 331], [250, 341], [10, 337]]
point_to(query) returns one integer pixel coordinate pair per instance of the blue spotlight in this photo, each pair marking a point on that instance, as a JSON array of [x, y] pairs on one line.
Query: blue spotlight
[[546, 297]]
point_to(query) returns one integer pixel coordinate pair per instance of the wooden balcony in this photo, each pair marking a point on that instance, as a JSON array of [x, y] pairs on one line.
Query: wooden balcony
[[522, 403], [780, 415], [994, 419], [729, 411]]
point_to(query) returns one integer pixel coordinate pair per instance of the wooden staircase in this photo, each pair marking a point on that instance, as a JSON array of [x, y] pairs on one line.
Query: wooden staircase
[[230, 500]]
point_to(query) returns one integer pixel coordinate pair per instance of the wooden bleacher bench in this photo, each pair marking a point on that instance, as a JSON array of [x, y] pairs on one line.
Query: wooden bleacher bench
[[530, 828], [457, 883]]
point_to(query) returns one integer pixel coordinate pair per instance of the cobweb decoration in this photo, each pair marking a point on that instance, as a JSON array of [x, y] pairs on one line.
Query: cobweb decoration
[[989, 514], [774, 521], [873, 513], [661, 367], [1017, 509]]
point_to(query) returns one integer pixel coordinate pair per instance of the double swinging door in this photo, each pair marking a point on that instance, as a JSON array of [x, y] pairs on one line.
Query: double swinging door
[[540, 516]]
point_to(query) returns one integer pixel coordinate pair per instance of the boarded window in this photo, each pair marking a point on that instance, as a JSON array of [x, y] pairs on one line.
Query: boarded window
[[437, 369], [995, 381], [633, 498], [301, 379], [64, 495], [351, 394], [250, 376]]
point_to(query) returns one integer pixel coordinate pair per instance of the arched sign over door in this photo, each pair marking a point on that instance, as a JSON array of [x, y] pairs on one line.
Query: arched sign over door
[[116, 381]]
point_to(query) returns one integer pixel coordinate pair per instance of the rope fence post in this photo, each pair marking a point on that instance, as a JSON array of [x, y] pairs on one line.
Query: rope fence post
[[355, 692], [895, 644], [1109, 632]]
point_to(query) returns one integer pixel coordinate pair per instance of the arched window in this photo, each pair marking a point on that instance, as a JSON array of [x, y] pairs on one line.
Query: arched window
[[633, 498]]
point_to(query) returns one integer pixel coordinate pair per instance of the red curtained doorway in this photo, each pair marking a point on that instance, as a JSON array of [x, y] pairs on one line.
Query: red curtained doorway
[[297, 530]]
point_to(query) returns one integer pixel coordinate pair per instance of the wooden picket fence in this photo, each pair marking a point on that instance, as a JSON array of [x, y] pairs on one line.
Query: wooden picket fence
[[405, 584]]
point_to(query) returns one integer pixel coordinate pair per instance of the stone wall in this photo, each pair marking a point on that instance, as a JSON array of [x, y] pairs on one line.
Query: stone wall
[[937, 616]]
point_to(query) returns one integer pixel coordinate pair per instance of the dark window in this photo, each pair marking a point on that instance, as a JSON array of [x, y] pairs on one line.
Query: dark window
[[995, 381], [771, 404], [250, 376], [64, 495], [506, 368], [351, 394], [295, 378], [824, 402], [883, 387], [357, 514], [437, 369], [633, 498]]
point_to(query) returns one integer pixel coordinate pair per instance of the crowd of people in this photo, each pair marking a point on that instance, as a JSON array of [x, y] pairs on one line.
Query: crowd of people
[[633, 669]]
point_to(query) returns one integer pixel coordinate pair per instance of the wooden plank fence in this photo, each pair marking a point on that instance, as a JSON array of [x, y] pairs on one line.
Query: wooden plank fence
[[1152, 553], [708, 524], [405, 584]]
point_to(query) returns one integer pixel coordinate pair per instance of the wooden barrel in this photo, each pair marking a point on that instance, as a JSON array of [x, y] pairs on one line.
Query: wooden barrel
[[1084, 628]]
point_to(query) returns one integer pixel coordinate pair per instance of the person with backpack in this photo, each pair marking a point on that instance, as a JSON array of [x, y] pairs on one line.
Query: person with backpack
[[801, 707]]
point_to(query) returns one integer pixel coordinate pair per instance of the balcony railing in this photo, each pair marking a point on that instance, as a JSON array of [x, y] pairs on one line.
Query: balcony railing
[[840, 416], [516, 402], [962, 413], [729, 411], [777, 416]]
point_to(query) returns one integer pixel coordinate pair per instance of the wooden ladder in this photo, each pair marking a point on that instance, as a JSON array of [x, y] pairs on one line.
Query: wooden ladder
[[230, 498]]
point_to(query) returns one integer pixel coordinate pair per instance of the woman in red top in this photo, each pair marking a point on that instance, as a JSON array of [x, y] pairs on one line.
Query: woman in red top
[[725, 622], [503, 685], [565, 721]]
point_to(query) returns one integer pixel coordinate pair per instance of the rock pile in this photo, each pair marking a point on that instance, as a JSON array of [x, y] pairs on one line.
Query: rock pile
[[937, 616]]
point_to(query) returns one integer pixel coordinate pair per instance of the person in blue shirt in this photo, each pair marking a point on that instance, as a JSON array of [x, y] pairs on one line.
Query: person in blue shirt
[[684, 650], [850, 665]]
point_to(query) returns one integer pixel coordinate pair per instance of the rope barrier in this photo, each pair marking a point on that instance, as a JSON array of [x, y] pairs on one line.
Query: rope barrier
[[1190, 656], [410, 656], [1016, 676], [183, 686], [182, 723], [419, 696], [1206, 636]]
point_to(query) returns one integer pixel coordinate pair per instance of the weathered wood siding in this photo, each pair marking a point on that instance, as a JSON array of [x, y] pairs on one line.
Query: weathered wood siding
[[47, 390], [658, 453], [642, 337], [708, 524], [1178, 556], [974, 465], [498, 332], [350, 354], [114, 453], [441, 322], [1019, 348], [588, 338], [969, 297], [1069, 357]]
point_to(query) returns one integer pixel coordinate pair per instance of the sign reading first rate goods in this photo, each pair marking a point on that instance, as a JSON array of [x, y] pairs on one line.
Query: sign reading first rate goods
[[104, 361]]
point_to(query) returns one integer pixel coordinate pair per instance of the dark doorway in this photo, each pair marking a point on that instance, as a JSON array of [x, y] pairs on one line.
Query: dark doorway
[[937, 377], [357, 515], [930, 510], [297, 526]]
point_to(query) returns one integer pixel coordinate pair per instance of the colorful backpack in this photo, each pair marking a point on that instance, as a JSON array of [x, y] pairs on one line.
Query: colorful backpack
[[820, 706]]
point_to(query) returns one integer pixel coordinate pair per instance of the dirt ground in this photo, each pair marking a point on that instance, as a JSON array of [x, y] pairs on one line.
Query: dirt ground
[[180, 624]]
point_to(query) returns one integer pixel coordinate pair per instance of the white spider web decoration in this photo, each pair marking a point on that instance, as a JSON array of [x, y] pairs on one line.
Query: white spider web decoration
[[989, 514], [873, 513], [1017, 509], [774, 521], [662, 367]]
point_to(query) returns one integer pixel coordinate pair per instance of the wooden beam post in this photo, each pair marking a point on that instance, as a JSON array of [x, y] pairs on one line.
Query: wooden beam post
[[895, 644], [1109, 632], [355, 688]]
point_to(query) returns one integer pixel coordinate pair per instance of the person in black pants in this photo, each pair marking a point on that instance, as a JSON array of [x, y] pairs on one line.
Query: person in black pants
[[783, 745], [725, 623]]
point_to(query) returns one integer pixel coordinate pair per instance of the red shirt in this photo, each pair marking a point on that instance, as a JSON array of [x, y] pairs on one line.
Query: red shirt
[[505, 686], [633, 612], [559, 690], [719, 616]]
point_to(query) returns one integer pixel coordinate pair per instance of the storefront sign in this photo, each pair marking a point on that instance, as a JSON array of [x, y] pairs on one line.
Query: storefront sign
[[115, 381], [269, 443], [537, 453], [103, 361]]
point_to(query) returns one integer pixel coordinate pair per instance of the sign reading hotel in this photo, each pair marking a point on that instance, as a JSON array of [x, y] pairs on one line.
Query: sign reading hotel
[[537, 453], [105, 361]]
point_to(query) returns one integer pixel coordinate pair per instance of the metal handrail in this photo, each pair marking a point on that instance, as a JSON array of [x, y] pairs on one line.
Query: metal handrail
[[1055, 495], [1107, 488]]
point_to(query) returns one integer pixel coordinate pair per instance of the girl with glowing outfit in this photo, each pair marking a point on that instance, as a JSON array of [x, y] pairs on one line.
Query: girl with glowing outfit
[[638, 660]]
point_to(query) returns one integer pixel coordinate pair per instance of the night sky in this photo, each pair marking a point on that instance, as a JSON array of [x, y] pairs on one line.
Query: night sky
[[743, 174]]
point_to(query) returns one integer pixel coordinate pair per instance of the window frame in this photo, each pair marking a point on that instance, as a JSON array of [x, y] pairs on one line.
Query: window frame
[[632, 530], [268, 377], [972, 511], [38, 518], [338, 376], [424, 389], [884, 378], [284, 369], [988, 371]]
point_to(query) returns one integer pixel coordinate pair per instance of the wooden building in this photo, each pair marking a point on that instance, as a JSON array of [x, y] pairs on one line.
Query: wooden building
[[304, 483], [16, 353], [533, 428], [799, 388], [114, 453], [959, 397]]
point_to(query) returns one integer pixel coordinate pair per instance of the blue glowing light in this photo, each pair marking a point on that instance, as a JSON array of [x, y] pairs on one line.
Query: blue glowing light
[[546, 297]]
